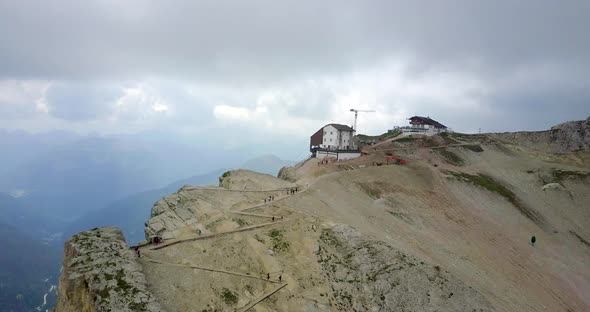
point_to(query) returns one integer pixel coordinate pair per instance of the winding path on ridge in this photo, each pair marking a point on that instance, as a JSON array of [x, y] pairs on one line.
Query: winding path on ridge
[[240, 229]]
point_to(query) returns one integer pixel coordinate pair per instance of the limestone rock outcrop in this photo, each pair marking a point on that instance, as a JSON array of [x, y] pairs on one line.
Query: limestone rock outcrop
[[100, 273], [171, 214], [249, 180], [570, 136], [368, 275], [287, 174]]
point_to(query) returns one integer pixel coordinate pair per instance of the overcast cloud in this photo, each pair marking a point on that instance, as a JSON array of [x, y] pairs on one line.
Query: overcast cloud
[[276, 70]]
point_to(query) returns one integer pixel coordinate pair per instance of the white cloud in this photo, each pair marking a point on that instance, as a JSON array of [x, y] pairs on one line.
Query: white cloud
[[231, 113], [159, 107], [22, 98]]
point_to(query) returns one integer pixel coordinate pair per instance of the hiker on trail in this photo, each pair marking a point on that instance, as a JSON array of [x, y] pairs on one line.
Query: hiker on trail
[[267, 276], [273, 218], [265, 200], [138, 252], [533, 240], [280, 277]]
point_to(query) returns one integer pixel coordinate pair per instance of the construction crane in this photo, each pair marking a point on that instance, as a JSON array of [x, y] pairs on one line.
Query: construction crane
[[356, 114]]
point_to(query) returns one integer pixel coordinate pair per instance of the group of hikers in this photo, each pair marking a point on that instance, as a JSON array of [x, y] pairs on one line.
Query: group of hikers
[[155, 241], [290, 191], [269, 199]]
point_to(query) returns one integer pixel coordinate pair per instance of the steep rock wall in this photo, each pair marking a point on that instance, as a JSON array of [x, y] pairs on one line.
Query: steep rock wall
[[100, 273]]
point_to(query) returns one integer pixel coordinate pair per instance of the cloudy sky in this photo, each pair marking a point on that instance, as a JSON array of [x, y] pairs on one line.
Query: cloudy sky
[[278, 70]]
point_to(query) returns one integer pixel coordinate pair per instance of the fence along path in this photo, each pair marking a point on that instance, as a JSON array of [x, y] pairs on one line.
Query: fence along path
[[253, 214], [246, 228], [259, 299], [242, 229], [190, 266], [272, 202], [191, 188]]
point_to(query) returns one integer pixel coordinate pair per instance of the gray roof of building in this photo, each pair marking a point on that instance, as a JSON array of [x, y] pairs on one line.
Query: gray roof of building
[[428, 121], [340, 127]]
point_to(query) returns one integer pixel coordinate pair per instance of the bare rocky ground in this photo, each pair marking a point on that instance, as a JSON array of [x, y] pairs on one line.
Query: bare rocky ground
[[449, 231]]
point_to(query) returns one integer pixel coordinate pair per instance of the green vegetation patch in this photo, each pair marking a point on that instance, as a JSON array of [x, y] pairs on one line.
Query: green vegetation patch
[[381, 137], [451, 157], [406, 140], [473, 147], [258, 238], [279, 244], [376, 189], [330, 238], [468, 137], [448, 139], [560, 175], [229, 297], [494, 186], [223, 176], [371, 189], [240, 222]]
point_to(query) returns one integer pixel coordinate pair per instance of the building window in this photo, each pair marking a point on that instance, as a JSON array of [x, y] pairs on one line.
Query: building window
[[330, 140], [330, 132]]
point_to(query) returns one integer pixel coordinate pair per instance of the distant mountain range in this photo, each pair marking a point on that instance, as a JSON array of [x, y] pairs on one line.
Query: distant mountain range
[[32, 228], [131, 212], [28, 268]]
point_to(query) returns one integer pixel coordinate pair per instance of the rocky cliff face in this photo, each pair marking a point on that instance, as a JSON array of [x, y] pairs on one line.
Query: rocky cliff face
[[566, 137], [367, 275], [100, 273]]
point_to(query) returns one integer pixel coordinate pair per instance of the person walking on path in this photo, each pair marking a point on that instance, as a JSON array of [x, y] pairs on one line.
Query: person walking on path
[[533, 240], [280, 278], [268, 276], [138, 252]]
